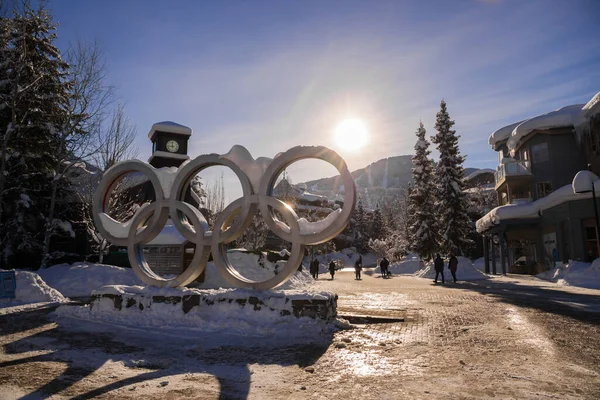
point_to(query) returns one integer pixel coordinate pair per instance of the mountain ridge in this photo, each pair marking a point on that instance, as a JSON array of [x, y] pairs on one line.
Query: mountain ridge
[[387, 173]]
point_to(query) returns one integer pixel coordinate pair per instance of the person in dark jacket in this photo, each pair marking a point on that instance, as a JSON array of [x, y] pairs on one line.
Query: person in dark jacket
[[383, 266], [314, 269], [332, 269], [438, 264], [453, 265], [357, 268]]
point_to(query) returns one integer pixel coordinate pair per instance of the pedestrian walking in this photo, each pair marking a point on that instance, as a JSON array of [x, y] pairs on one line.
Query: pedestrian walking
[[313, 269], [438, 264], [357, 269], [453, 265], [316, 269], [332, 269], [383, 266]]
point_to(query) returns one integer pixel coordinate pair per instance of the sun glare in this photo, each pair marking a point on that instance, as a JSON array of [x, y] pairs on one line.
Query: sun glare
[[351, 134]]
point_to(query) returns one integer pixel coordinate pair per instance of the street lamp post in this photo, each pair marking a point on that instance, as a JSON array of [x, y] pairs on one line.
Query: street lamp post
[[584, 183]]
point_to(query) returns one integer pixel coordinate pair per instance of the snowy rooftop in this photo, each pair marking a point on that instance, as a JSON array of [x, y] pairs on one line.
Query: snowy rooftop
[[171, 127], [503, 133], [563, 117], [573, 115], [168, 236], [592, 106], [478, 172], [534, 209]]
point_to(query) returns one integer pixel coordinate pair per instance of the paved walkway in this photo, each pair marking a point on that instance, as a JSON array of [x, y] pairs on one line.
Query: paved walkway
[[507, 337]]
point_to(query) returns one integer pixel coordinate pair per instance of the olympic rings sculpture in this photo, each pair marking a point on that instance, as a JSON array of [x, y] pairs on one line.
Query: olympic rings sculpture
[[170, 191]]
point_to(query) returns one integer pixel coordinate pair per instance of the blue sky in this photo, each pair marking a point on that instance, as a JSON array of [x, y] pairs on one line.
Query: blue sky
[[271, 75]]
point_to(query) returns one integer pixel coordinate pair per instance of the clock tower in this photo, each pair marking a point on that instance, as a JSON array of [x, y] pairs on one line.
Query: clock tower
[[169, 144]]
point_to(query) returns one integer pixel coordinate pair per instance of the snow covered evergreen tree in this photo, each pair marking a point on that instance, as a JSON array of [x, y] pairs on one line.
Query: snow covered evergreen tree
[[421, 207], [451, 201], [377, 228], [361, 228], [33, 97]]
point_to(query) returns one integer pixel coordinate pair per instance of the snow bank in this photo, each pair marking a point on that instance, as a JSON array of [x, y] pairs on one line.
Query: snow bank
[[222, 316], [466, 271], [80, 279], [31, 288], [575, 273], [409, 265], [246, 266]]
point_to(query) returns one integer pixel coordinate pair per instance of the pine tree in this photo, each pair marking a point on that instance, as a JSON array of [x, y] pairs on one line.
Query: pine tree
[[361, 228], [33, 99], [421, 205], [377, 227], [451, 201]]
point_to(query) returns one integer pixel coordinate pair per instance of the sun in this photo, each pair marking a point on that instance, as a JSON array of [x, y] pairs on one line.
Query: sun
[[351, 134]]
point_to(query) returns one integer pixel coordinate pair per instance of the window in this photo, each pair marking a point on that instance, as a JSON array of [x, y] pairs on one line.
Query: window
[[591, 244], [539, 153], [524, 155], [543, 189]]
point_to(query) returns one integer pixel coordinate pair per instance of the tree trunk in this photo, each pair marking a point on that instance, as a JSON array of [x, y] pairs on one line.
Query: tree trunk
[[50, 222], [3, 167]]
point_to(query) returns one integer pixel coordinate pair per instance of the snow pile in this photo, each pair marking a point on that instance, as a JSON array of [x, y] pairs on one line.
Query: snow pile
[[80, 279], [31, 288], [466, 271], [575, 273], [246, 266], [409, 265], [222, 316]]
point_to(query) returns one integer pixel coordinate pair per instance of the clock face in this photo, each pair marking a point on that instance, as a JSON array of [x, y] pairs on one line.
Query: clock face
[[172, 146]]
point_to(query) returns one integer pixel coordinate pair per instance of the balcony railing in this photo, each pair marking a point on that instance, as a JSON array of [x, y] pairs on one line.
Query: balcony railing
[[514, 168]]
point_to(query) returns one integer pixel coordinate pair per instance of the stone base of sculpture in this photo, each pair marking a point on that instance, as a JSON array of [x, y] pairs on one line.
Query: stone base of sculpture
[[187, 303]]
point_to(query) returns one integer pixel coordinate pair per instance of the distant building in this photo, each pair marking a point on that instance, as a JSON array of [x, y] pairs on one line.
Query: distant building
[[540, 220]]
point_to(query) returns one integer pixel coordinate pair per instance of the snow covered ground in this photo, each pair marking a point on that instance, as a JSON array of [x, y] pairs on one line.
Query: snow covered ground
[[575, 273]]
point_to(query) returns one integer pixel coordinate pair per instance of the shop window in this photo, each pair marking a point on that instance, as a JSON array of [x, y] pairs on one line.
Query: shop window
[[539, 153], [543, 189], [591, 244]]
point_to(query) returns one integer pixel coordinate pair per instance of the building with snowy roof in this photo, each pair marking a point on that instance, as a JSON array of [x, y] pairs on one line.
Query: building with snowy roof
[[540, 218]]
